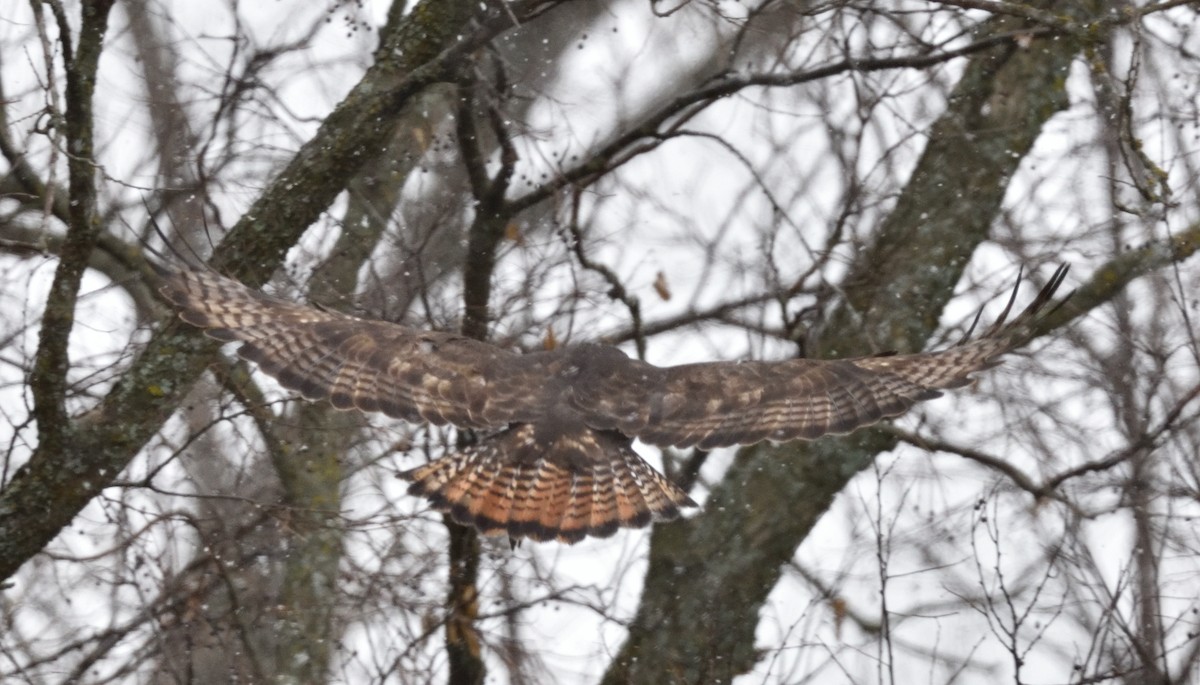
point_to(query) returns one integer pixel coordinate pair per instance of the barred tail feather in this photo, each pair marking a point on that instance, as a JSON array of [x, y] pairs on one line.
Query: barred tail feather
[[579, 484]]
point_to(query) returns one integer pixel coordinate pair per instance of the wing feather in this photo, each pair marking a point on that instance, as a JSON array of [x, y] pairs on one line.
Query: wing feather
[[363, 364], [444, 378], [718, 404]]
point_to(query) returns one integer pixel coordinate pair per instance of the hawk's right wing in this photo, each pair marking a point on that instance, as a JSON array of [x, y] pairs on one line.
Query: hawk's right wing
[[718, 404]]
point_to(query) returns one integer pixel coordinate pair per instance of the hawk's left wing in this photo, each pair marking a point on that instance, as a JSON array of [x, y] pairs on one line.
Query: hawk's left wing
[[357, 363]]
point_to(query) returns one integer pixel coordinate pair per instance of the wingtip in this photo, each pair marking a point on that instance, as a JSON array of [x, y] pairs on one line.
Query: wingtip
[[1042, 305]]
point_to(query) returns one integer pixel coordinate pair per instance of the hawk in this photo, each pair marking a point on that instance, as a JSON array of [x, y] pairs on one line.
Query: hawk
[[556, 459]]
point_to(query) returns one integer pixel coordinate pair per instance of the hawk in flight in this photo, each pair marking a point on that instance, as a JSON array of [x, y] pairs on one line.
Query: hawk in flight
[[555, 460]]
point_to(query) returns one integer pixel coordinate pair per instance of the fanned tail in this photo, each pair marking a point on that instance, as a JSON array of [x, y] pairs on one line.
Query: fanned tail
[[581, 483]]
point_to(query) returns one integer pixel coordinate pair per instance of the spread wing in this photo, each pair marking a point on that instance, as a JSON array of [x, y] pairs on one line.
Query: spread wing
[[564, 466], [358, 363], [729, 403], [445, 378]]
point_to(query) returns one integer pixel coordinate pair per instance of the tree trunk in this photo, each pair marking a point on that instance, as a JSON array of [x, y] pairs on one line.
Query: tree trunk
[[717, 568]]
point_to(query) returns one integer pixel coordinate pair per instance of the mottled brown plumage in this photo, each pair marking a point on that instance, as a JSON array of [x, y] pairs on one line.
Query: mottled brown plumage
[[556, 459]]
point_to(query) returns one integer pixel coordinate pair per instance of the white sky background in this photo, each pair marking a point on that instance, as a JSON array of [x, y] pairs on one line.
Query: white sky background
[[689, 187]]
